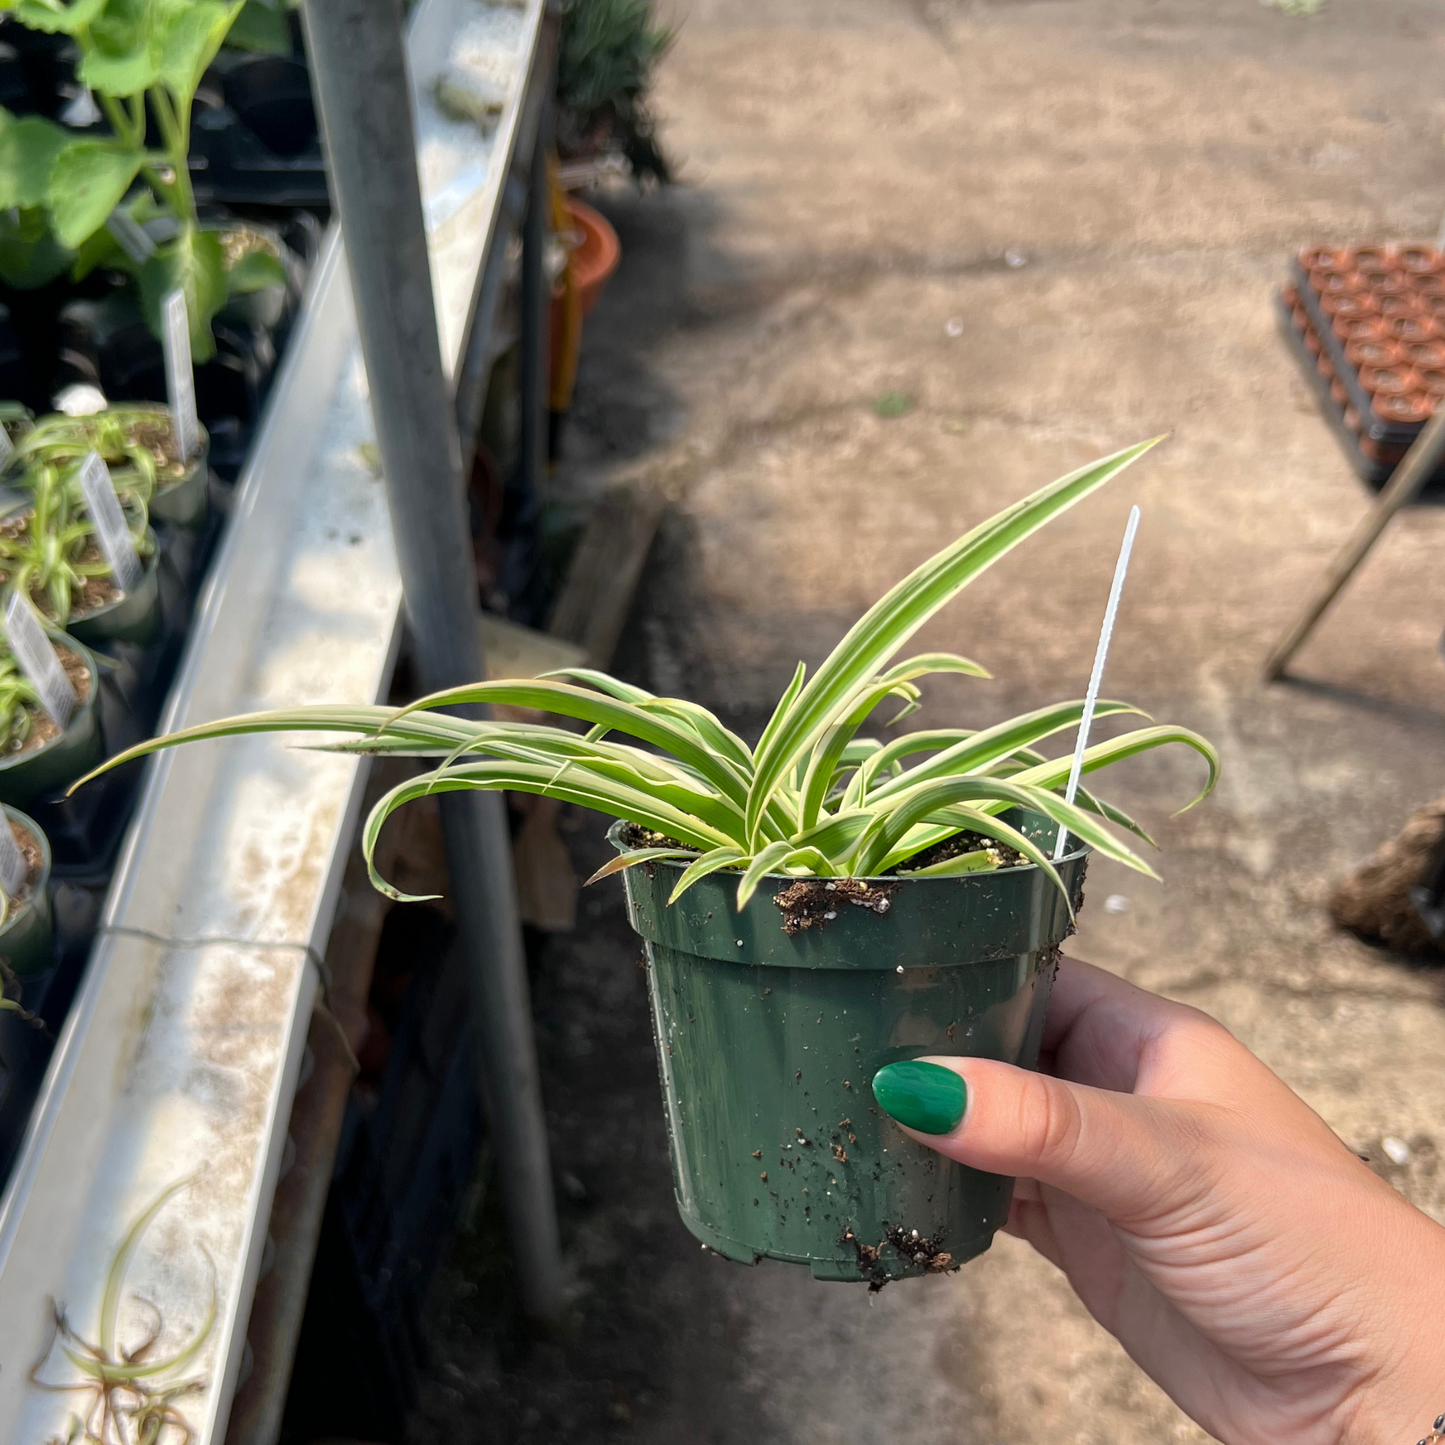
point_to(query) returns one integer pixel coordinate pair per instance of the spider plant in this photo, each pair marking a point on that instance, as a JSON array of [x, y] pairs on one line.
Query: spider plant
[[20, 703], [813, 798], [135, 440], [131, 1394], [48, 549]]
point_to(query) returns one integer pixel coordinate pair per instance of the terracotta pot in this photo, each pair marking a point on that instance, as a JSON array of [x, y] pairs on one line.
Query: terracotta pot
[[1430, 289], [1413, 328], [596, 258], [1386, 283], [1420, 260], [1393, 306], [1289, 294], [1351, 420], [1389, 380], [1350, 304], [1325, 366], [1374, 258], [1326, 258], [1404, 410], [1372, 351], [1337, 283], [1338, 394], [1352, 328], [1312, 343], [1433, 382], [1426, 355]]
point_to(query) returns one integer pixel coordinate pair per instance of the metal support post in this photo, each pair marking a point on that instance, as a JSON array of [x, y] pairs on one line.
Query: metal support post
[[535, 301], [1419, 464], [358, 68]]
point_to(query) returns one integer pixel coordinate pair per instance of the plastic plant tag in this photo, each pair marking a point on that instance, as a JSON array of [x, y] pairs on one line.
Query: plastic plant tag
[[37, 659], [13, 867], [130, 236], [6, 446], [180, 383], [110, 528]]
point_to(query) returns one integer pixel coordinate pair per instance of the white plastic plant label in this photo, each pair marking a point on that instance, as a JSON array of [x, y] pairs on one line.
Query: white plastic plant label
[[37, 659], [13, 867], [6, 446], [180, 383], [130, 236], [110, 528]]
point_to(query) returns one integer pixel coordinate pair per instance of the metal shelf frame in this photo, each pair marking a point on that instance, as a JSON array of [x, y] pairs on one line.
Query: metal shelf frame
[[182, 1051]]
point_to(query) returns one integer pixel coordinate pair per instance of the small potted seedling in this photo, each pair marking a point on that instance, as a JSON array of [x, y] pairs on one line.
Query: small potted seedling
[[49, 731], [15, 421], [82, 555], [137, 441], [26, 930], [813, 907]]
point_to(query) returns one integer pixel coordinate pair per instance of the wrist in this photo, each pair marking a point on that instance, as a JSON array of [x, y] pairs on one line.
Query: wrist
[[1401, 1399]]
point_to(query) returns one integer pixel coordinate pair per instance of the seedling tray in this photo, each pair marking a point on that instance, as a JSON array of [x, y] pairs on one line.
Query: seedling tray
[[1383, 292], [1374, 445]]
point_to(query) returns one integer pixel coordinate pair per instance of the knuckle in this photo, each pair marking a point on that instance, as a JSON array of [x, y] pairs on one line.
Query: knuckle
[[1050, 1122]]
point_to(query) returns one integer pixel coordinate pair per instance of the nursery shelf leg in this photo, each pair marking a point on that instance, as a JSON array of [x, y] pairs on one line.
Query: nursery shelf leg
[[359, 70], [1419, 465]]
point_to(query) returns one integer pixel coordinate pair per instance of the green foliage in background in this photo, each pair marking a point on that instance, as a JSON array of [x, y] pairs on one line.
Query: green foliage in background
[[604, 69], [143, 60], [813, 798]]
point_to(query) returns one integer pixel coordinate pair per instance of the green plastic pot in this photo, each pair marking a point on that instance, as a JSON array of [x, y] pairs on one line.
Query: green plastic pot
[[184, 502], [27, 935], [134, 617], [767, 1042], [66, 757]]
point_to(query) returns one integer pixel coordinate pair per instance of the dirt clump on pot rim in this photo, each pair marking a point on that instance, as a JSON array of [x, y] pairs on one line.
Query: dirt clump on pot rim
[[815, 902], [914, 1247]]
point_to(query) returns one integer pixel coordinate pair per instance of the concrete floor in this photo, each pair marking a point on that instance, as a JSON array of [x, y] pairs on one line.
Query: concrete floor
[[853, 174]]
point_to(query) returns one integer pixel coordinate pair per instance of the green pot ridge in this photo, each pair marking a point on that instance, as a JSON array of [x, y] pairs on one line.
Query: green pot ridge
[[27, 935], [68, 756], [767, 1043], [184, 502]]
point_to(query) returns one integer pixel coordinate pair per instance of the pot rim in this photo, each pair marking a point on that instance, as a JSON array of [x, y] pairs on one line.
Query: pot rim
[[614, 836], [65, 640]]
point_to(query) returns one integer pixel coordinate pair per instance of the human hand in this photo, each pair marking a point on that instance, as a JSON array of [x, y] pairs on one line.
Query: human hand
[[1206, 1216]]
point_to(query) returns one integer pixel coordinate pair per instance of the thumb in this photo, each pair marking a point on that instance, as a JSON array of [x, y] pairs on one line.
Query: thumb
[[1120, 1154]]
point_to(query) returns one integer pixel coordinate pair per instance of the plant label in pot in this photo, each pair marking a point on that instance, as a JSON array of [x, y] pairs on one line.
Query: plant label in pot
[[814, 906], [38, 660], [180, 381], [111, 531]]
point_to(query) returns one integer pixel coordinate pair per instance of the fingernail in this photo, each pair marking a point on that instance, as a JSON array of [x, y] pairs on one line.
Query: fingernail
[[924, 1096]]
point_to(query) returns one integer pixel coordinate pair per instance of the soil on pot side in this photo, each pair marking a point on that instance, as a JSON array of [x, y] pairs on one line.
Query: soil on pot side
[[34, 863], [42, 726], [814, 902], [914, 1247]]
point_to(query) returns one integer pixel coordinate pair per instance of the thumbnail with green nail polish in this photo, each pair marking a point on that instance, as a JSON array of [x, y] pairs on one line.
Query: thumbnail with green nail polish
[[923, 1096]]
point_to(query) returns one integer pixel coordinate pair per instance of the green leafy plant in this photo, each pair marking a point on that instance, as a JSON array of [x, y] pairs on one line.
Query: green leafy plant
[[48, 549], [20, 705], [136, 440], [813, 798], [132, 1391], [143, 59], [604, 69]]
